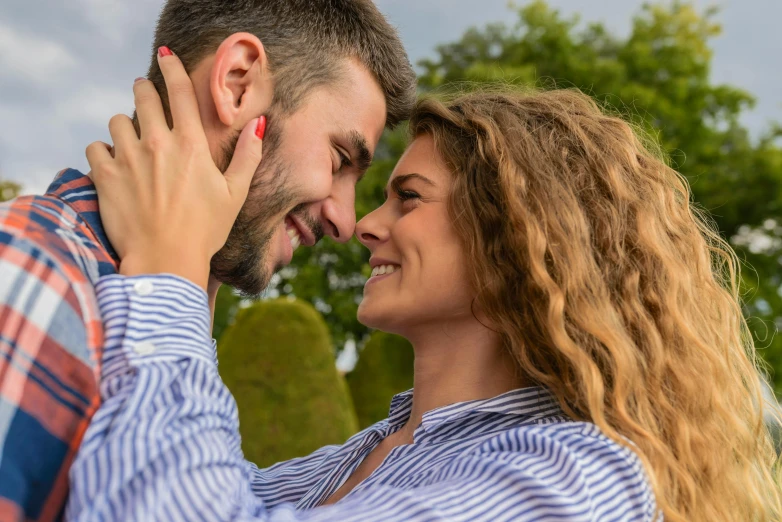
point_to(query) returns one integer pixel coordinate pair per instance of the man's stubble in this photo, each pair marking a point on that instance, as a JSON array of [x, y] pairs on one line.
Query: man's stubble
[[242, 262]]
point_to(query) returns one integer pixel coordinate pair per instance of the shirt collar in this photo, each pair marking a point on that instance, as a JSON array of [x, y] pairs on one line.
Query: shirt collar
[[524, 402], [78, 192]]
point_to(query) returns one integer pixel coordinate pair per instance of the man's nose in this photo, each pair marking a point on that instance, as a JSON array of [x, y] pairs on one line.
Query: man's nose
[[339, 221], [338, 216]]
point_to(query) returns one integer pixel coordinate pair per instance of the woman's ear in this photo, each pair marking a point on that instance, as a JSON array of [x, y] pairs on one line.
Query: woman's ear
[[240, 81]]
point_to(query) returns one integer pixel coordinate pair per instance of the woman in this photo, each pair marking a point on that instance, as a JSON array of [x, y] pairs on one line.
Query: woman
[[580, 348], [590, 274]]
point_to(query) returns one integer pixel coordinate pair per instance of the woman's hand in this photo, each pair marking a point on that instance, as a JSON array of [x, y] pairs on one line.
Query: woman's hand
[[165, 206]]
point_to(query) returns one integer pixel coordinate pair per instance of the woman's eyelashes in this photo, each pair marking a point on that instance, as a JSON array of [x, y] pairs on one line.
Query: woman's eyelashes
[[407, 196]]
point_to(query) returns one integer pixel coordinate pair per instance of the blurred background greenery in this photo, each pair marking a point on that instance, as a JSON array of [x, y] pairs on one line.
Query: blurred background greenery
[[280, 354]]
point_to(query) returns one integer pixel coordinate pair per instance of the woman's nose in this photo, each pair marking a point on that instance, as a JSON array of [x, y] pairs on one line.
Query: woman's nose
[[371, 230]]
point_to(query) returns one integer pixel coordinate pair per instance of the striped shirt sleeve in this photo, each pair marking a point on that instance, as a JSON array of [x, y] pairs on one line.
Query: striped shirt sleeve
[[165, 443]]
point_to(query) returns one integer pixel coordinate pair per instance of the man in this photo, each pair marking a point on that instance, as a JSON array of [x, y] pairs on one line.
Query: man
[[328, 75]]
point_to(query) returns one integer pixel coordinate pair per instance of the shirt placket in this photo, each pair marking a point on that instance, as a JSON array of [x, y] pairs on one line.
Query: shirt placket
[[343, 470]]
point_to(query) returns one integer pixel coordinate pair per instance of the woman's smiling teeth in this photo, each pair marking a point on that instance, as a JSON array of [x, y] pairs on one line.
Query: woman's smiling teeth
[[384, 269], [295, 238]]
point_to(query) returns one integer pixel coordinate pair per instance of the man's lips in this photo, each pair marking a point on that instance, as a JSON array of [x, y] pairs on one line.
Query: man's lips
[[307, 236]]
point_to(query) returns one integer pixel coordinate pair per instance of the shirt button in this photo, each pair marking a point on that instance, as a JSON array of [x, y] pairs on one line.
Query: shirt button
[[144, 288], [144, 348]]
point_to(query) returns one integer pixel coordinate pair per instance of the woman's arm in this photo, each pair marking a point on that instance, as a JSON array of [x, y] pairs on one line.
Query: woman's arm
[[165, 443]]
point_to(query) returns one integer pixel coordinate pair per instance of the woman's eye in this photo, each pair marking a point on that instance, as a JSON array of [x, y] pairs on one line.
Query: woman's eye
[[407, 195]]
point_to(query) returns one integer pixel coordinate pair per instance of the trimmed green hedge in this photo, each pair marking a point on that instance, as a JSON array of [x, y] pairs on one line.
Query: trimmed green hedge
[[384, 368], [277, 361]]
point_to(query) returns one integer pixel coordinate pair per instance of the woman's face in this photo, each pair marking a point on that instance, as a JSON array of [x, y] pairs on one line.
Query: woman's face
[[419, 277]]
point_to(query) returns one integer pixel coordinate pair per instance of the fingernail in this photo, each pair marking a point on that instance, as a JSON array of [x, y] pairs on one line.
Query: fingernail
[[260, 130], [164, 51], [140, 78]]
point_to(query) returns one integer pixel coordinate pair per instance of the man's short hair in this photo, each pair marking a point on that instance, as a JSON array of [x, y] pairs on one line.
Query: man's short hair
[[306, 42]]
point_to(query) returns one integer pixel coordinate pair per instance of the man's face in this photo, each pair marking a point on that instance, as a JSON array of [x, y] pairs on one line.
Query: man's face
[[304, 187]]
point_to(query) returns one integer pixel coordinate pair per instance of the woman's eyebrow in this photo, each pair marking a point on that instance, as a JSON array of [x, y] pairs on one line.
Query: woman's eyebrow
[[397, 182]]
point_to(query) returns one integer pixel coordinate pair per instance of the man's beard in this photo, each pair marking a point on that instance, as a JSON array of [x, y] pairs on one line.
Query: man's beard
[[242, 261]]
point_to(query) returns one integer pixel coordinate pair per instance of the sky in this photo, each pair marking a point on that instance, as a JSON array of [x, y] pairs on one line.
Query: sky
[[67, 67]]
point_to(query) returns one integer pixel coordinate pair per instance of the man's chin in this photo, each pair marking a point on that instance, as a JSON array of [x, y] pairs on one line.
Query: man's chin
[[244, 262], [249, 283], [253, 292]]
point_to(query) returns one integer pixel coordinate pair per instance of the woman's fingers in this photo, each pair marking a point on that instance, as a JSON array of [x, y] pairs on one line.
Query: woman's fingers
[[123, 134], [168, 201], [247, 156], [149, 108], [99, 154], [181, 96]]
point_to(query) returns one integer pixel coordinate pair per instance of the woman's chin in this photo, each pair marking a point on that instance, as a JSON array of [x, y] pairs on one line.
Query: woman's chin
[[366, 318], [373, 316]]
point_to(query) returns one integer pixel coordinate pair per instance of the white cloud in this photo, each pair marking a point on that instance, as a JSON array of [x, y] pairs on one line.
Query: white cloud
[[10, 136], [35, 179], [33, 57], [94, 105], [114, 19]]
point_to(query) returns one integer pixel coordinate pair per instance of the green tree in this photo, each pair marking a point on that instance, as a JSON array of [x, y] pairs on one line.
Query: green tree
[[9, 190], [384, 368], [277, 361]]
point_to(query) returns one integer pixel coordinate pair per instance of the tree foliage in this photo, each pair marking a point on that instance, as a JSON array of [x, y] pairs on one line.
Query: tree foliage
[[9, 190], [658, 76], [277, 361], [385, 368]]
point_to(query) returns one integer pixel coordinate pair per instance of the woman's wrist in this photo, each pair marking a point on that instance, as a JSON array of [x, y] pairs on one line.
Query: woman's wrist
[[194, 268]]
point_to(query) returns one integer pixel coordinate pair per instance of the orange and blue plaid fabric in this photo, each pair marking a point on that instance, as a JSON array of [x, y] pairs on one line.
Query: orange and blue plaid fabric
[[52, 251]]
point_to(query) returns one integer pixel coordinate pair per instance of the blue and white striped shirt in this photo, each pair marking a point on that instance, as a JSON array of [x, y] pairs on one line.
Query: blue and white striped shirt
[[165, 443]]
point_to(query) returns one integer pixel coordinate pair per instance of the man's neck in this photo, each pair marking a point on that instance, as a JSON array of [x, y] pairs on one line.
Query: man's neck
[[211, 291]]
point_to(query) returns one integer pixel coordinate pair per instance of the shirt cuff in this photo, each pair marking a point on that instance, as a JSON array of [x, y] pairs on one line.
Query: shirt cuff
[[153, 319]]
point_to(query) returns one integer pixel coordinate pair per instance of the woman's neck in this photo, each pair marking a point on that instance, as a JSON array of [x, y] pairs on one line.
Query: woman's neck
[[456, 362]]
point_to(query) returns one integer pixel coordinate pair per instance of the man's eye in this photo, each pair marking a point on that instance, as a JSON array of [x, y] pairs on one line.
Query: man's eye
[[344, 161]]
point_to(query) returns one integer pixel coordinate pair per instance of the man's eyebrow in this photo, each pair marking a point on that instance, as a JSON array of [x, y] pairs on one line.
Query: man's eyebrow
[[398, 181], [362, 158]]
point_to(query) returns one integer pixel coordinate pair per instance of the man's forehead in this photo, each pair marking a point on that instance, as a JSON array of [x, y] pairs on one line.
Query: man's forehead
[[359, 101]]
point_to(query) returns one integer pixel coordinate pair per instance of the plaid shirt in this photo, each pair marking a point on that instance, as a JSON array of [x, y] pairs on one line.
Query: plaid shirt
[[52, 251]]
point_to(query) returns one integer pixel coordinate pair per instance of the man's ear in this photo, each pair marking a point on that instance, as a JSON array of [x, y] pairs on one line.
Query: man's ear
[[240, 81]]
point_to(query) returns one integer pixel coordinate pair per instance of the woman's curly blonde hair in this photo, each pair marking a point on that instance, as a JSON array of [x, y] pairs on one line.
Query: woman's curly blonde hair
[[611, 290]]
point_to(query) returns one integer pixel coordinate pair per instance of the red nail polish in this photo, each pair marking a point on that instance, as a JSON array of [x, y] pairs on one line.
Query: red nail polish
[[260, 130], [164, 51]]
